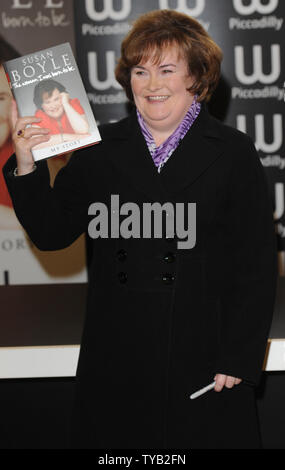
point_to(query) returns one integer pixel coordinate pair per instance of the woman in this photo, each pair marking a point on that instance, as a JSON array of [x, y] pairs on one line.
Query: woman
[[64, 117], [163, 320]]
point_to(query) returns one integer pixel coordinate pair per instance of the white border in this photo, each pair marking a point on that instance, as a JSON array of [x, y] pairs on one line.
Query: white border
[[276, 355], [61, 361], [38, 362]]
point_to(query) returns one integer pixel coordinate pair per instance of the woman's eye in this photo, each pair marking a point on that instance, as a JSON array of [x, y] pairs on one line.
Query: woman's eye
[[165, 71]]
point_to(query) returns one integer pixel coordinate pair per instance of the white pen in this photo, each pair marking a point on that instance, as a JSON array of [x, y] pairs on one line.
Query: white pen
[[203, 390]]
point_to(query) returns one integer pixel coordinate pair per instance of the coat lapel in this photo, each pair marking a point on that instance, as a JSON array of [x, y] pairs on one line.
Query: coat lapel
[[199, 149], [135, 161], [201, 146]]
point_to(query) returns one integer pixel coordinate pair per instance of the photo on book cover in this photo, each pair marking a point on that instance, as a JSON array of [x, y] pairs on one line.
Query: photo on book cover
[[48, 85]]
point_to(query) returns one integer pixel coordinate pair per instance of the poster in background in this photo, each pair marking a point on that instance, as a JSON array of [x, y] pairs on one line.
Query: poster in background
[[32, 25], [251, 93], [27, 26]]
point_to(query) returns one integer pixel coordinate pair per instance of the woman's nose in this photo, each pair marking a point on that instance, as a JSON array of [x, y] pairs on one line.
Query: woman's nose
[[154, 82]]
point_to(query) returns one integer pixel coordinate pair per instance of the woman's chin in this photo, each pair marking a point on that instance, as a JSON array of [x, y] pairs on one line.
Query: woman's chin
[[157, 116]]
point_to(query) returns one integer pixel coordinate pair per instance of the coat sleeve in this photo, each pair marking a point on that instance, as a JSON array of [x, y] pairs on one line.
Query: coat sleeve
[[250, 273], [52, 217]]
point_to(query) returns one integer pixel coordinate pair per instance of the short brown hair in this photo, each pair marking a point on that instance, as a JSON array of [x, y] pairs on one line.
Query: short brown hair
[[155, 31]]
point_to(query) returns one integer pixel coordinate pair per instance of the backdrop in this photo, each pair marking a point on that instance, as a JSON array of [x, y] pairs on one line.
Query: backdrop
[[26, 27]]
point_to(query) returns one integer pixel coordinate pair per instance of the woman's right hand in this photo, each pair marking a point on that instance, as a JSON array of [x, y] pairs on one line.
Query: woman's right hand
[[23, 144]]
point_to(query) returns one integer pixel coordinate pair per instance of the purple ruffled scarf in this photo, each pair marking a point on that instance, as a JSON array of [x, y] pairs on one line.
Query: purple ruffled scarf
[[161, 154]]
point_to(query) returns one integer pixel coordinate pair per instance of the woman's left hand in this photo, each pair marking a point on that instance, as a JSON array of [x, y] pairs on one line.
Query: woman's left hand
[[225, 381]]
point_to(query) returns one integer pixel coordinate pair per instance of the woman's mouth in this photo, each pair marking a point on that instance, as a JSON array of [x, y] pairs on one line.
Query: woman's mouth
[[157, 98]]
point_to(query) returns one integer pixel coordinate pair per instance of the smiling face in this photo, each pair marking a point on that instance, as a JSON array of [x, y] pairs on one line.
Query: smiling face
[[5, 101], [52, 104], [160, 91]]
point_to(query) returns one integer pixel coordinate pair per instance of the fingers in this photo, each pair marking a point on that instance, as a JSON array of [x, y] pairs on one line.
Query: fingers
[[24, 146], [225, 381], [32, 135], [230, 381], [220, 382], [21, 123], [25, 138], [35, 131]]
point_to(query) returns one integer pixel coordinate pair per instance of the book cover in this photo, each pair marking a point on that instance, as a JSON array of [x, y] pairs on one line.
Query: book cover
[[48, 85]]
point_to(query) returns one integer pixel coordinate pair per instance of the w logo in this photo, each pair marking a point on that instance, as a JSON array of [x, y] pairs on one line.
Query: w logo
[[261, 144], [255, 6], [108, 10], [257, 74], [183, 7], [93, 68]]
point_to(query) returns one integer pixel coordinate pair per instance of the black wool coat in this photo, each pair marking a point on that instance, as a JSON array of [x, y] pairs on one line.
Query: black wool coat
[[162, 321]]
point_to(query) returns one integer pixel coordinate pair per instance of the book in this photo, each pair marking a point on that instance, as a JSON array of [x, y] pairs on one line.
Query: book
[[47, 84]]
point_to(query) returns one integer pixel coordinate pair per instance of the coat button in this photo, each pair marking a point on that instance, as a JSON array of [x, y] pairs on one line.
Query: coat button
[[169, 257], [168, 279], [123, 277], [122, 255]]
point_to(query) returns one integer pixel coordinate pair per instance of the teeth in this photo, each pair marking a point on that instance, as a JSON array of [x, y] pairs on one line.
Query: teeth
[[157, 98]]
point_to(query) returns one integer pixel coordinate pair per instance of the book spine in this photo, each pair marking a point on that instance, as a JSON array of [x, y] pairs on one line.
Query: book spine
[[8, 78], [9, 82]]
